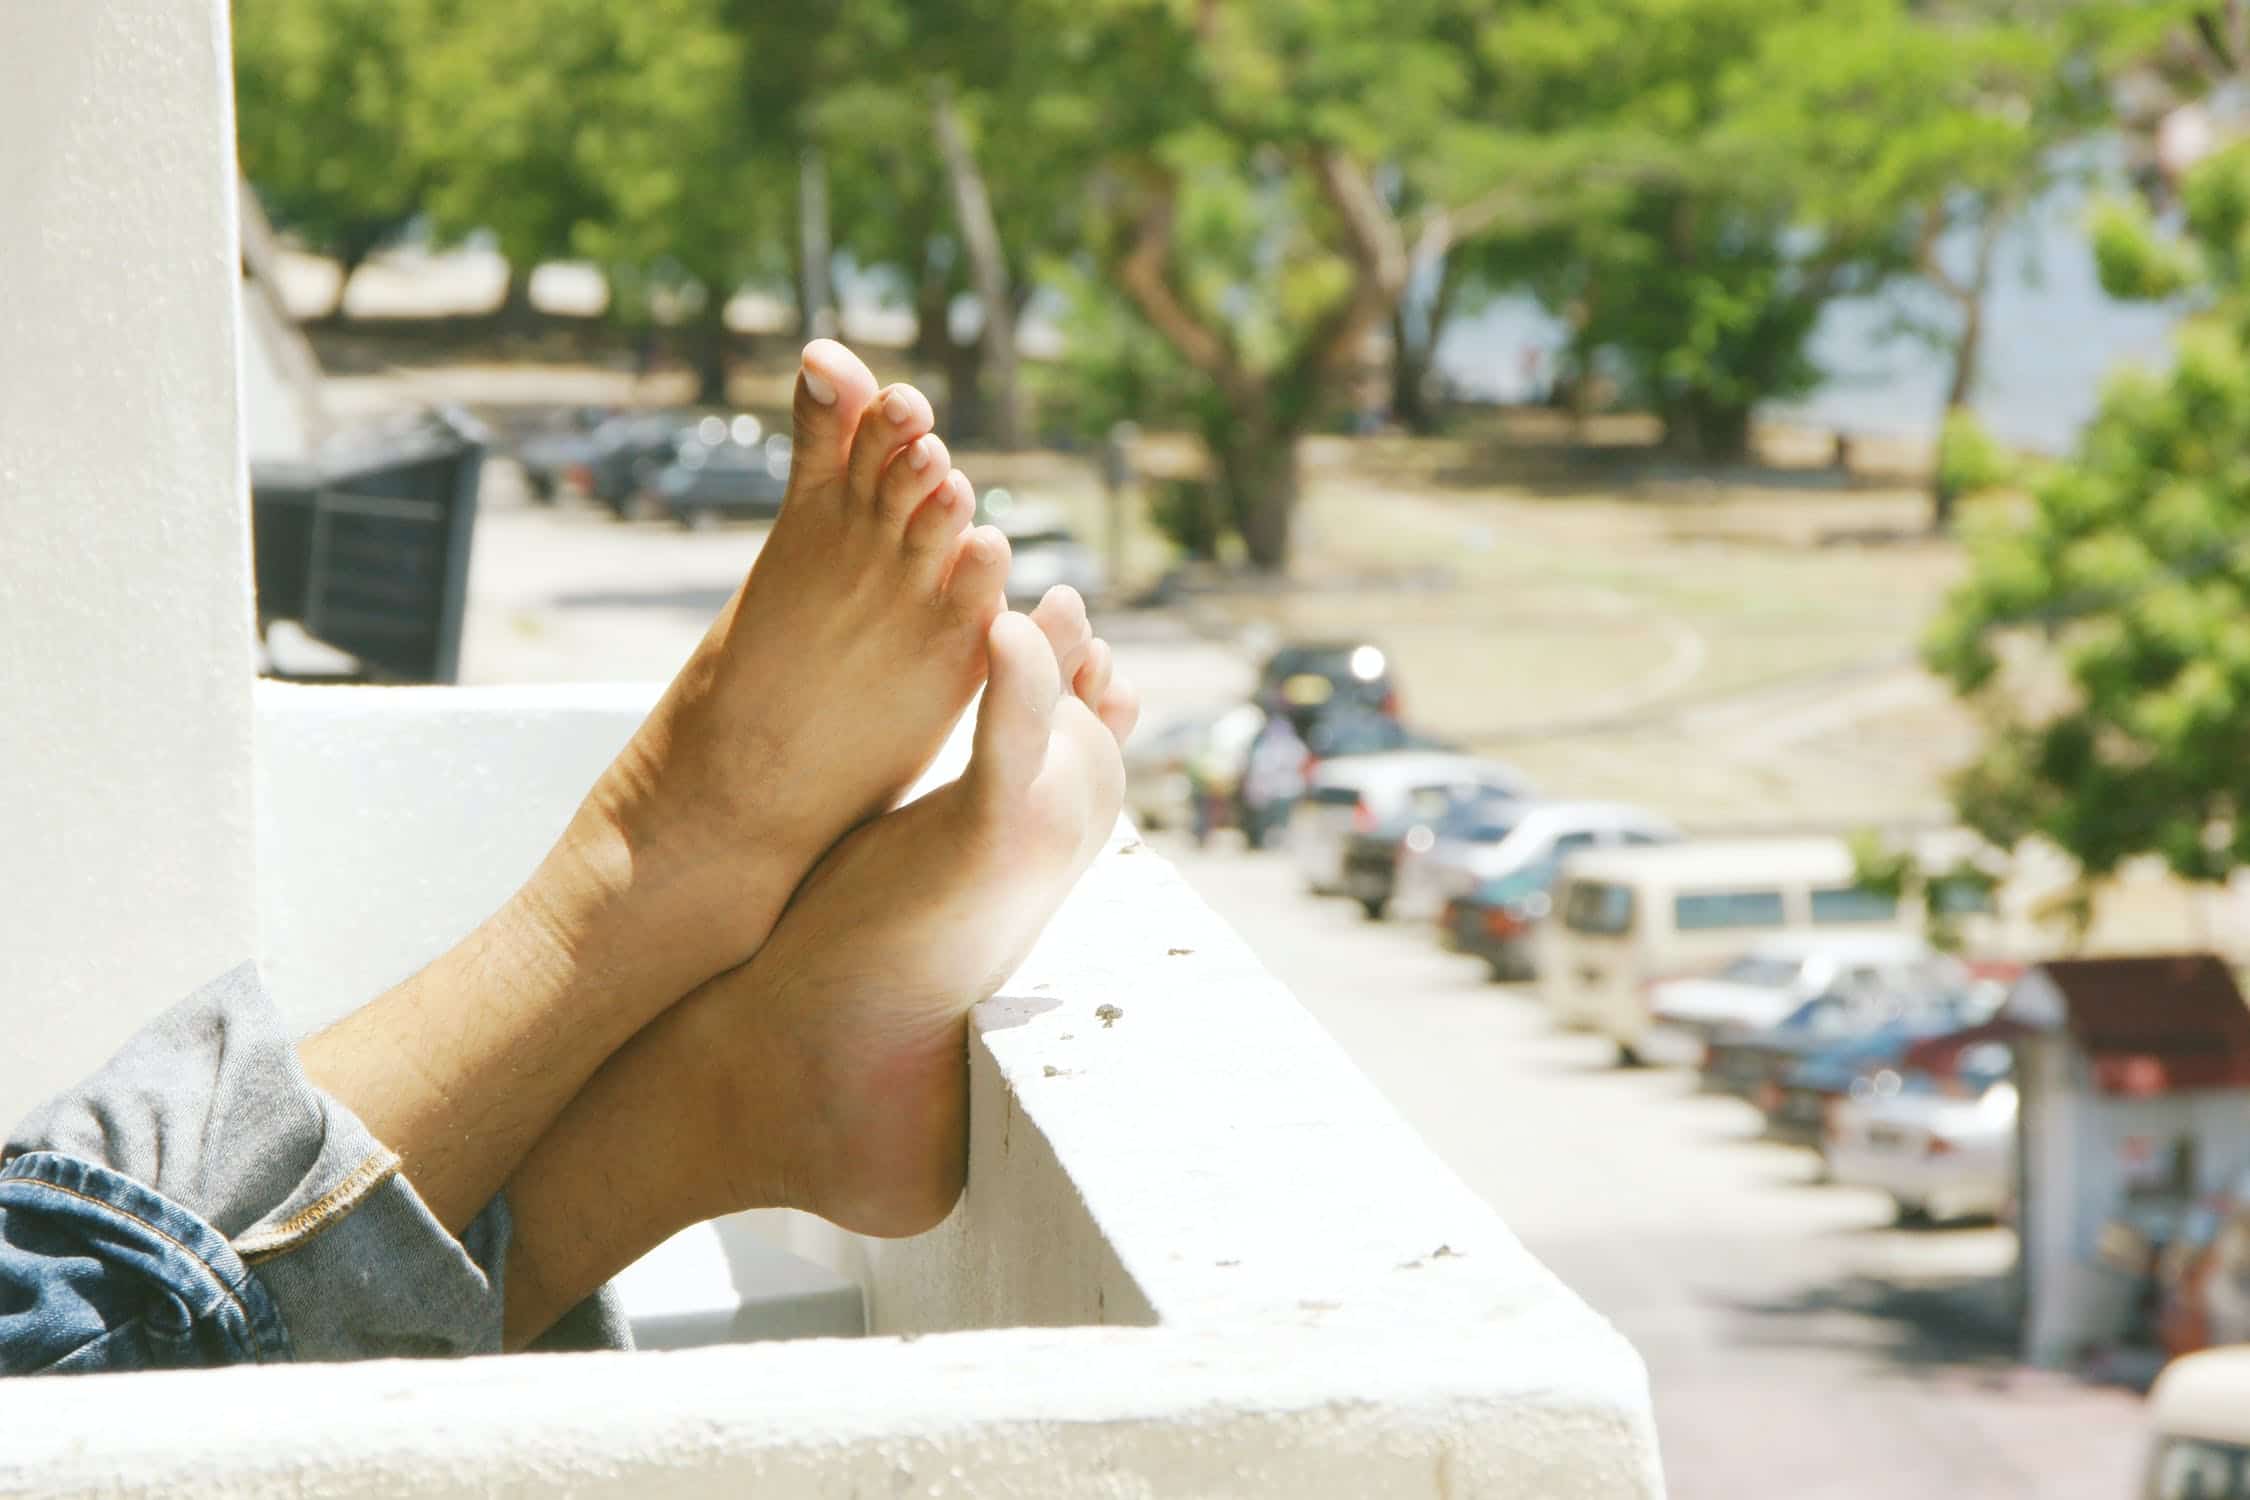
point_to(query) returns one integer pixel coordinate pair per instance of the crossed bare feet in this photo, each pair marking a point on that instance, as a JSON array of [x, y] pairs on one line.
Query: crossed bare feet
[[823, 688], [828, 1071]]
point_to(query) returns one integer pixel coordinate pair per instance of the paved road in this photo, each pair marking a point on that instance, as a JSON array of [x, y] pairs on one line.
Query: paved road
[[1799, 1345]]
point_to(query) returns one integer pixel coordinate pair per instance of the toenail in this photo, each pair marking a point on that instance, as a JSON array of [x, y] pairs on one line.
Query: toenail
[[819, 387], [918, 454], [897, 407]]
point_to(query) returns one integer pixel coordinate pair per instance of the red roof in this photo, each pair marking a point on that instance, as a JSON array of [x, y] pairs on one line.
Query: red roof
[[2156, 1025]]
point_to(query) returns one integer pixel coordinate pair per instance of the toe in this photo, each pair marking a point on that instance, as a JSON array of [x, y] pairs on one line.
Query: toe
[[1018, 709], [1092, 678], [980, 571], [912, 476], [833, 389], [1119, 708], [897, 416], [1061, 616], [944, 515]]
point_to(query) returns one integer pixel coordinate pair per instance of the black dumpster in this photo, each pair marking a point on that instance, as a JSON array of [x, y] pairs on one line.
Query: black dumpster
[[368, 549]]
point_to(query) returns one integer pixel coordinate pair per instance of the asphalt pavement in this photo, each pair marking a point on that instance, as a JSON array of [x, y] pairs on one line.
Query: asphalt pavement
[[1798, 1343]]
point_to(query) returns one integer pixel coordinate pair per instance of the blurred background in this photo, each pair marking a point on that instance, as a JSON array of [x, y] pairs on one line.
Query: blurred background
[[1685, 559]]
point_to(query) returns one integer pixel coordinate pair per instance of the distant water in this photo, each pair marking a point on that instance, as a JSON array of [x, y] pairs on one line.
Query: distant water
[[2051, 334]]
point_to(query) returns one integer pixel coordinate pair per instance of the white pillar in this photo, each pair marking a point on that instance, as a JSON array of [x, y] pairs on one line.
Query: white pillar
[[125, 614]]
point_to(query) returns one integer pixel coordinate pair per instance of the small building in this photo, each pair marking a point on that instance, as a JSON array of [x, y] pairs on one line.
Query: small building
[[2134, 1078]]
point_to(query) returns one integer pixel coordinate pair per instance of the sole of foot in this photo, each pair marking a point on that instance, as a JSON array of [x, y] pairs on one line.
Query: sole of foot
[[859, 1002], [819, 694]]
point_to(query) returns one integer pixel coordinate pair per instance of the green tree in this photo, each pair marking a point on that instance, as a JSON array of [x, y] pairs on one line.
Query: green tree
[[622, 134], [1246, 164], [324, 109], [2105, 634]]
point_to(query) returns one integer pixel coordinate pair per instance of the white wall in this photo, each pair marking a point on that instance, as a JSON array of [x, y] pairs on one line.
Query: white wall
[[125, 612]]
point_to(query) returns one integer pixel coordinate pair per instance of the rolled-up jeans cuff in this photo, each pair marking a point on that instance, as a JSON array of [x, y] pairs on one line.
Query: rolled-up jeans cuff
[[209, 1108]]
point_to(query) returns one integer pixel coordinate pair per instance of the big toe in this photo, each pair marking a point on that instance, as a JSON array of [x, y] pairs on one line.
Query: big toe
[[1017, 714], [833, 388]]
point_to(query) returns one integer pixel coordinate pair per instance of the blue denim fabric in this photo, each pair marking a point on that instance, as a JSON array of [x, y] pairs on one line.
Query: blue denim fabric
[[197, 1202], [99, 1273]]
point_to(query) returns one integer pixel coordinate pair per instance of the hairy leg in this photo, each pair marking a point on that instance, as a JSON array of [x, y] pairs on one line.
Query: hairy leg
[[821, 691], [829, 1072]]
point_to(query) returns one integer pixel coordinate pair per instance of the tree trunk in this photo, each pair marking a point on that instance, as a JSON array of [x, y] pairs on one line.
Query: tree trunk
[[969, 419], [351, 254], [710, 351], [1699, 427], [1968, 351], [1258, 481], [517, 315], [816, 297], [988, 267], [1412, 359]]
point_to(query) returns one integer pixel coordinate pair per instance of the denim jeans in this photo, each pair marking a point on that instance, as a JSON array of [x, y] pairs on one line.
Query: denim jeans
[[198, 1202]]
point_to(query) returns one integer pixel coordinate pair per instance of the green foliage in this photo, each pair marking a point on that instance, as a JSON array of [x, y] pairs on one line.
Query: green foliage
[[2134, 260], [1970, 459], [1949, 894], [325, 104], [2106, 635]]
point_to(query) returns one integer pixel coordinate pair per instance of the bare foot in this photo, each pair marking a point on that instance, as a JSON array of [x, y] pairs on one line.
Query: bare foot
[[821, 691], [853, 1016]]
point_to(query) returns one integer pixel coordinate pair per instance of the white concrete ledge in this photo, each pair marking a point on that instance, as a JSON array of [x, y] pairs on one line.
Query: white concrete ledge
[[1320, 1307]]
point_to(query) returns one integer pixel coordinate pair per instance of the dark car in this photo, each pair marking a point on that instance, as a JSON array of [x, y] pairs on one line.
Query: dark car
[[1499, 920], [714, 478], [548, 456], [1316, 679], [627, 453], [1371, 855], [1752, 1061]]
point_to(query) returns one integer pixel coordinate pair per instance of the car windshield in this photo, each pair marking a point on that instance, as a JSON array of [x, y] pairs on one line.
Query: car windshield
[[1762, 971], [1480, 818], [1531, 880], [1332, 662], [1600, 909], [2193, 1469]]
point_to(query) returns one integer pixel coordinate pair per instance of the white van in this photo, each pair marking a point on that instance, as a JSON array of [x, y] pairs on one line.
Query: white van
[[1628, 919], [2200, 1410]]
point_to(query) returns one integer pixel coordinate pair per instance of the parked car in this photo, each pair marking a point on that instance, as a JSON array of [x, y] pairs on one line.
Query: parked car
[[1043, 549], [1362, 793], [1314, 679], [1942, 1145], [1776, 974], [549, 455], [1159, 786], [723, 469], [626, 454], [1496, 921], [1631, 918], [1751, 1061], [1373, 855], [1463, 854], [2199, 1421]]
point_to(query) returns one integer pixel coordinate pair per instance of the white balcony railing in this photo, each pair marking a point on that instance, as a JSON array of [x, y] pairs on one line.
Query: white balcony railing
[[1198, 1253]]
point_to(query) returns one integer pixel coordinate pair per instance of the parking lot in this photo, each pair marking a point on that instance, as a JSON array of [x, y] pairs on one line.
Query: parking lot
[[1800, 1345]]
